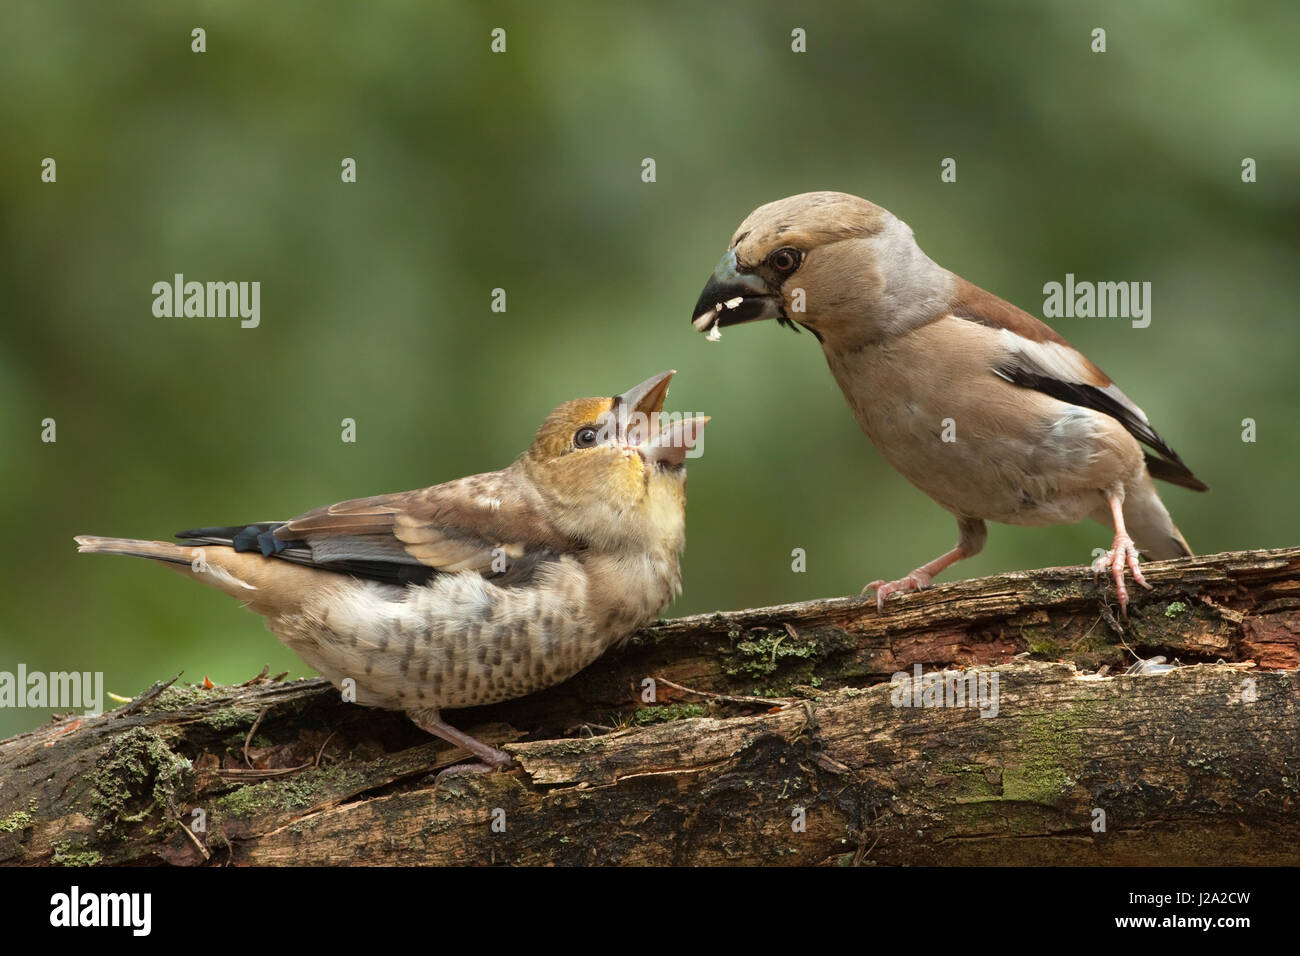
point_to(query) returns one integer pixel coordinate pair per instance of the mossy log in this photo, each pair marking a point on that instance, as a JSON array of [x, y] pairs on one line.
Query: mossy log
[[772, 735]]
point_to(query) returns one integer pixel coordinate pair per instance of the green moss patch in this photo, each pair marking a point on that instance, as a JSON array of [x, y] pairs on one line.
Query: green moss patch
[[286, 794], [140, 774], [667, 712], [775, 659]]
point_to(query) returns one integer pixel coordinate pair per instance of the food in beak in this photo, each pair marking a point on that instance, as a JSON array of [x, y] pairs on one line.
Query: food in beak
[[708, 321]]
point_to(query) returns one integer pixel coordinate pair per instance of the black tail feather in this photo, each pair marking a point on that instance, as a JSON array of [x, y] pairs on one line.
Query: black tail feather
[[1174, 472], [248, 537]]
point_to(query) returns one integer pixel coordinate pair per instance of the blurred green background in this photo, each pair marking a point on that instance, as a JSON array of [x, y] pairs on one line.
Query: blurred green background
[[522, 170]]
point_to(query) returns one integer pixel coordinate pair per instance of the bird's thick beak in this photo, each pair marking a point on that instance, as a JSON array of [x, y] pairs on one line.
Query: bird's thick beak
[[732, 297], [636, 417], [646, 398], [670, 444]]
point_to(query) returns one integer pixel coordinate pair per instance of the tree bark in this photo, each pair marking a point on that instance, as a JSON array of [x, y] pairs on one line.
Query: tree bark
[[772, 735]]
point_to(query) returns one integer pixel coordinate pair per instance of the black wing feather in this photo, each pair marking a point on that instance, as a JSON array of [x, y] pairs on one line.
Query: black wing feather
[[260, 536], [1167, 467]]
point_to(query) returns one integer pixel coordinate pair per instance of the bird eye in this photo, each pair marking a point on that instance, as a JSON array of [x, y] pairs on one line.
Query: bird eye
[[785, 260], [585, 438]]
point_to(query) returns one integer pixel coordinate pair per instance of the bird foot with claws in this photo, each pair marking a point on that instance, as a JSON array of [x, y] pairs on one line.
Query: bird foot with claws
[[1123, 555], [915, 581], [477, 766], [489, 757]]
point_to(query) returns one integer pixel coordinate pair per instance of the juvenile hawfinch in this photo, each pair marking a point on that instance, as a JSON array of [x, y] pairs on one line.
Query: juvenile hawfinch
[[1037, 434], [478, 590]]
